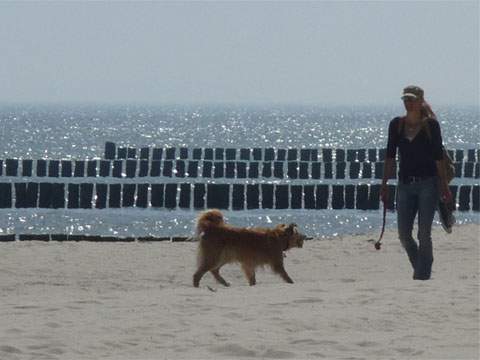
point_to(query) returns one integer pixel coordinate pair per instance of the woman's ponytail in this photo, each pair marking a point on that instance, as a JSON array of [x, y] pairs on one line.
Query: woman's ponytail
[[427, 111]]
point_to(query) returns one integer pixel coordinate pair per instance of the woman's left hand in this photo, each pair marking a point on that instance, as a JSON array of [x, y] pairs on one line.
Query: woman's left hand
[[446, 194]]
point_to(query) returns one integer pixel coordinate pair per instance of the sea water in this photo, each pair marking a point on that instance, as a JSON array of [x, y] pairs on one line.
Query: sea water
[[80, 131]]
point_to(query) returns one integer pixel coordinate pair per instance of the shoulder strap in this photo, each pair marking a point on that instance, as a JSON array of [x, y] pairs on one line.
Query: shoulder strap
[[426, 126], [401, 124]]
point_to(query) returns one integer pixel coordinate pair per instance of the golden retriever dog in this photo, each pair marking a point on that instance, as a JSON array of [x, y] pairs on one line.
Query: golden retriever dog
[[220, 244]]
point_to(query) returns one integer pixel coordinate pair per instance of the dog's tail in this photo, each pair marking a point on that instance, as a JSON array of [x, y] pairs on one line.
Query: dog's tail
[[208, 219]]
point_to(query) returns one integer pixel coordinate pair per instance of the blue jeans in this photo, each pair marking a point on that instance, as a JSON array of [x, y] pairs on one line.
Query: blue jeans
[[421, 197]]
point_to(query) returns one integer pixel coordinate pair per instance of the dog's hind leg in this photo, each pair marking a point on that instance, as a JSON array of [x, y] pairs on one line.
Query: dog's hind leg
[[249, 273], [198, 275], [280, 270], [218, 277]]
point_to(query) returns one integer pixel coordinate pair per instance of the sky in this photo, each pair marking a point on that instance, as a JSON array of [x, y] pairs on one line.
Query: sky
[[336, 52]]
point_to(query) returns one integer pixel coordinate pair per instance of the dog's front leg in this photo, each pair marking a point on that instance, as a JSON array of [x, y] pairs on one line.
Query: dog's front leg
[[280, 270], [218, 277]]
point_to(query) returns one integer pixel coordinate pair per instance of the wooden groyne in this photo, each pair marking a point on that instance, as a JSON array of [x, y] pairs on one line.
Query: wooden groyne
[[202, 178], [225, 178]]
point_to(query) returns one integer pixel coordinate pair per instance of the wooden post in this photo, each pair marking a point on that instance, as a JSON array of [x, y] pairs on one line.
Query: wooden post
[[183, 153], [218, 196], [296, 200], [476, 198], [245, 154], [41, 168], [193, 169], [143, 171], [269, 154], [278, 169], [309, 196], [79, 168], [292, 171], [66, 168], [219, 154], [282, 197], [340, 155], [101, 200], [26, 167], [110, 150], [11, 167], [199, 192], [157, 153], [354, 170], [322, 196], [230, 170], [155, 170], [73, 196], [238, 197], [362, 197], [241, 170], [341, 166], [464, 198], [184, 201], [350, 196], [26, 195], [170, 196], [86, 194], [292, 155], [218, 170], [92, 168], [128, 192], [253, 194], [303, 173], [257, 154], [5, 195], [157, 195], [316, 170], [231, 154], [207, 169], [266, 169], [180, 168], [253, 170], [142, 196], [167, 168], [338, 200], [267, 196], [114, 195]]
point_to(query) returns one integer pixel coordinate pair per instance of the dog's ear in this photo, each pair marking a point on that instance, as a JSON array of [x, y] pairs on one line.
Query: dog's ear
[[290, 229]]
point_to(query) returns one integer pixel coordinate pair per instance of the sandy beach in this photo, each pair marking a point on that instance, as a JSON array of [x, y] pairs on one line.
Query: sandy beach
[[85, 300]]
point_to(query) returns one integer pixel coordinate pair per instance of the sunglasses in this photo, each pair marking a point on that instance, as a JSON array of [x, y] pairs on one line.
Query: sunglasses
[[410, 99]]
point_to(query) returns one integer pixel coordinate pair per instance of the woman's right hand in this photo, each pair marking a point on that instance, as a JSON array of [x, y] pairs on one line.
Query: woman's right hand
[[384, 193]]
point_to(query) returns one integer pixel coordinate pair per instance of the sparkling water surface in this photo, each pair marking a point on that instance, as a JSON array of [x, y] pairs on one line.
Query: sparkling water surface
[[80, 132]]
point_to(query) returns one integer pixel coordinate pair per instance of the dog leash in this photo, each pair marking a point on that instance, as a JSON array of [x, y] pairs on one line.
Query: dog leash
[[378, 244]]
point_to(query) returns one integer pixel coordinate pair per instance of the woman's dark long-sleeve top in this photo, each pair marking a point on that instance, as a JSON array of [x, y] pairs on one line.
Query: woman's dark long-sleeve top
[[417, 157]]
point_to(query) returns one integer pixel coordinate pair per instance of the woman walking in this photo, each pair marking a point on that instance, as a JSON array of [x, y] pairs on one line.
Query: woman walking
[[421, 176]]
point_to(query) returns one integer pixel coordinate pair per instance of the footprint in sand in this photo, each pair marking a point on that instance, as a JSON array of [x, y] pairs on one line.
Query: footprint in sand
[[277, 354], [367, 343], [308, 301], [233, 350], [26, 307], [53, 325], [408, 351], [10, 349]]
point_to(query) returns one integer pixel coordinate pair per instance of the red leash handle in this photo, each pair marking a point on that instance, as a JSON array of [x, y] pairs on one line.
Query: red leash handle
[[378, 244]]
